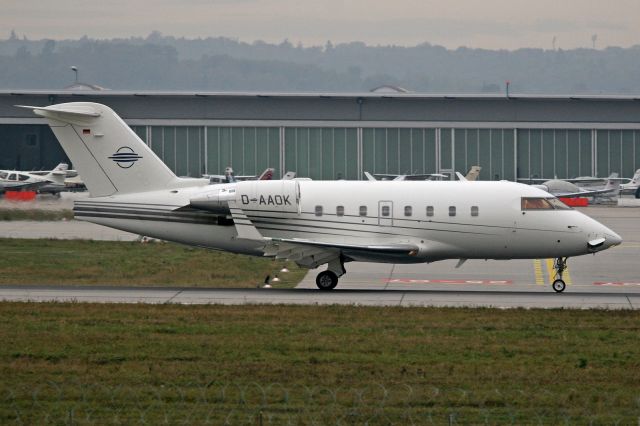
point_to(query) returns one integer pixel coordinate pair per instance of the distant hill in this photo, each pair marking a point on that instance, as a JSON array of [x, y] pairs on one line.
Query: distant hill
[[160, 62]]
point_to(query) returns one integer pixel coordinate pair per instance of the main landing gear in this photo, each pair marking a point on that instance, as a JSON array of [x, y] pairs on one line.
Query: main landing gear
[[560, 265], [328, 280]]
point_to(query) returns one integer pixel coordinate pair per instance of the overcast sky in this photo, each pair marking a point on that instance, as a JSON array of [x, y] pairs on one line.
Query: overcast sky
[[508, 24]]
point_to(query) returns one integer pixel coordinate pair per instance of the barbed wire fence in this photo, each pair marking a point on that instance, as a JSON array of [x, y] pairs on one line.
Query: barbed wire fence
[[274, 404]]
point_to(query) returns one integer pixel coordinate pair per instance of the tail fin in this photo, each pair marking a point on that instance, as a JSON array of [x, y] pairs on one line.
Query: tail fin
[[613, 183], [58, 174], [267, 174], [108, 155], [474, 172], [62, 167]]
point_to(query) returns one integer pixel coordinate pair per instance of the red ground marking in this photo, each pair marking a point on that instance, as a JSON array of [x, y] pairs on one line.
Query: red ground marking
[[409, 281], [615, 283]]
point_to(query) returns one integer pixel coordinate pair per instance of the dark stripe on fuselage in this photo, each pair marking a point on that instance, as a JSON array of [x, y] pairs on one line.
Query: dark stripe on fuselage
[[97, 215]]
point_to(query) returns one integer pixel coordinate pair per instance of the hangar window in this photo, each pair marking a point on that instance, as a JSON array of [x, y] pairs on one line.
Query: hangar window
[[408, 210], [363, 210], [318, 210], [452, 210], [474, 210], [340, 211], [429, 211], [539, 203]]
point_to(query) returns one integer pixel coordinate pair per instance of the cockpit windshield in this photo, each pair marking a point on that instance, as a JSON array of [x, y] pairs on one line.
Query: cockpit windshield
[[540, 203]]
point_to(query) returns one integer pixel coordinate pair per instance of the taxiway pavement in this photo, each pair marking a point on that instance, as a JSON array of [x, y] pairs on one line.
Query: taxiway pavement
[[390, 297]]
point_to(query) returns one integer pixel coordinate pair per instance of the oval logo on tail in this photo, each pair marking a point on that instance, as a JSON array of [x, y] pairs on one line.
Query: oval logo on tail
[[125, 157]]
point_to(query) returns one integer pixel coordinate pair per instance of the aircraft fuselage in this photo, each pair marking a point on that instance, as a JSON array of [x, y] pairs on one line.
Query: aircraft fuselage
[[468, 220]]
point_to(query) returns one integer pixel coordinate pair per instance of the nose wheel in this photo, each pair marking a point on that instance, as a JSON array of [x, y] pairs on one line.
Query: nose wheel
[[560, 265]]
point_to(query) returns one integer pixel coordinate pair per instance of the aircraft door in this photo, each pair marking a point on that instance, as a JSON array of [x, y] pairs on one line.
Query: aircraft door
[[385, 213]]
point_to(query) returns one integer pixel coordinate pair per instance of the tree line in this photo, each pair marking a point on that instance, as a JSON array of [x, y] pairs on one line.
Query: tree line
[[159, 62]]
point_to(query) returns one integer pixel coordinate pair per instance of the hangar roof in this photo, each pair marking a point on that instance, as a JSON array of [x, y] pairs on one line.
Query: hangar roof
[[368, 109]]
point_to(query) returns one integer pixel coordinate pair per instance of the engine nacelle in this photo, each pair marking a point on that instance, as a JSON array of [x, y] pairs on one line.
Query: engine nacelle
[[215, 200], [269, 195]]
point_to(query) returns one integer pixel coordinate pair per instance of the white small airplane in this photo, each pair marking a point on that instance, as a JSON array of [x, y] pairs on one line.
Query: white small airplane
[[472, 175], [422, 176], [12, 180], [633, 185], [566, 189], [229, 176], [315, 222]]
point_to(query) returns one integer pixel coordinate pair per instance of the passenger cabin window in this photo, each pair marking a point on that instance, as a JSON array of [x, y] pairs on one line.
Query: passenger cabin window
[[385, 210], [3, 175], [474, 210], [452, 210], [340, 211], [318, 210], [363, 210], [539, 203], [408, 210], [23, 177], [429, 211]]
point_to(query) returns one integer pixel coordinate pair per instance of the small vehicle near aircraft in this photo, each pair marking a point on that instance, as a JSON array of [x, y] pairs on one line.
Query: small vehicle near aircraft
[[315, 223]]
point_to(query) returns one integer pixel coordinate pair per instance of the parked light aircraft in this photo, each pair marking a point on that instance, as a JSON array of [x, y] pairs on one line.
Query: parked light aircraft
[[566, 189], [315, 222], [12, 180], [633, 185], [229, 176], [422, 176], [473, 174]]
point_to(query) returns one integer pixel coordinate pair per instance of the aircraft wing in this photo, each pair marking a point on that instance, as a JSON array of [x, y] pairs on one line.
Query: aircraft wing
[[421, 176], [22, 186], [533, 180], [585, 193], [312, 253]]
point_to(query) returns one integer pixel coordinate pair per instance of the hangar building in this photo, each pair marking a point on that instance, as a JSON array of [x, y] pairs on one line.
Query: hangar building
[[339, 136]]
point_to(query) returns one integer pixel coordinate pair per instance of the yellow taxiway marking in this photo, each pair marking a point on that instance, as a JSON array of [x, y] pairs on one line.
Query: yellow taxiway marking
[[537, 267], [566, 276], [541, 276]]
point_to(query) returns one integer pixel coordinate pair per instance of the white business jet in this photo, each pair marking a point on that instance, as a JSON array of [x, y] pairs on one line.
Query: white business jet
[[315, 222]]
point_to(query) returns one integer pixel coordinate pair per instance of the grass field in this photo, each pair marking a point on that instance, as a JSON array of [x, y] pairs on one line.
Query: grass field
[[34, 214], [86, 363], [132, 264]]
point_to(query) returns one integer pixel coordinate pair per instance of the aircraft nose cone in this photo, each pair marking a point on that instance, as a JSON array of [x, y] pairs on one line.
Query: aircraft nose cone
[[612, 239]]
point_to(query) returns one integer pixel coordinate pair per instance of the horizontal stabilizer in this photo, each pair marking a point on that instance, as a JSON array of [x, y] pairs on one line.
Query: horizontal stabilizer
[[74, 110]]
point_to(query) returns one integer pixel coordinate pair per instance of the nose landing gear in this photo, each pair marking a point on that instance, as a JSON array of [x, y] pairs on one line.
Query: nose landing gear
[[560, 265]]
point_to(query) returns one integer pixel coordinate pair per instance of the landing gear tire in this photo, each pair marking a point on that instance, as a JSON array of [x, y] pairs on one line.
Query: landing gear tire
[[559, 286], [326, 280], [560, 265]]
